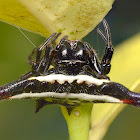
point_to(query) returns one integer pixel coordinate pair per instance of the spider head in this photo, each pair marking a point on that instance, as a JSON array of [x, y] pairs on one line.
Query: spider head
[[71, 53]]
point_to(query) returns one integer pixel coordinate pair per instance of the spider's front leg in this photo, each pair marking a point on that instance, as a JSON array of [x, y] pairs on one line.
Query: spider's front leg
[[32, 63], [46, 59], [106, 60], [40, 63], [93, 60]]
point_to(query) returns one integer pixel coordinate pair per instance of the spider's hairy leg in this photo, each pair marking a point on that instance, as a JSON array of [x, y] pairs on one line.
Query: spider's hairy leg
[[26, 75], [48, 56], [37, 51], [106, 60], [29, 74], [37, 63], [93, 60]]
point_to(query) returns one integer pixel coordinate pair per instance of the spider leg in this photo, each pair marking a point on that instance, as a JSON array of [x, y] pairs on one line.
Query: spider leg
[[49, 53], [52, 52], [38, 51], [106, 60], [48, 56], [26, 75], [93, 60]]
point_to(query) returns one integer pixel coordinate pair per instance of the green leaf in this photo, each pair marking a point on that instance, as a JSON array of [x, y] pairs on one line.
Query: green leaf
[[78, 121]]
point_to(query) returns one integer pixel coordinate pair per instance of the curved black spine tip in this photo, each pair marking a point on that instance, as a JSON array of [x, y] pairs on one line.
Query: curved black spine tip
[[120, 92], [69, 108], [133, 99], [12, 88], [40, 103]]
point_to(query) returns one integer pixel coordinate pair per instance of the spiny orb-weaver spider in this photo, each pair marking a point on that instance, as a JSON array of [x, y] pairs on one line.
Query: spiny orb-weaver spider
[[69, 74]]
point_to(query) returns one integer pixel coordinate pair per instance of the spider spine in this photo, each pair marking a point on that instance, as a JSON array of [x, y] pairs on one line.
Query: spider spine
[[116, 90], [9, 89]]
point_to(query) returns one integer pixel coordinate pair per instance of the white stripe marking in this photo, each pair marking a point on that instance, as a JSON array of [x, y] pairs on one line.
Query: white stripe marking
[[60, 78], [80, 96]]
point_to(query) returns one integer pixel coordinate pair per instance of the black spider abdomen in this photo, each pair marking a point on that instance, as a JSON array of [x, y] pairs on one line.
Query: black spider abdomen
[[36, 86]]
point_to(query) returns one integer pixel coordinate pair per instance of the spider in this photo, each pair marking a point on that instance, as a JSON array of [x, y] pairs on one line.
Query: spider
[[69, 74]]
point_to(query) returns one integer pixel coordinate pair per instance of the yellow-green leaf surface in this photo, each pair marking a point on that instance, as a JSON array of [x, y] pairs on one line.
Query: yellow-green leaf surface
[[13, 12], [72, 17], [125, 70]]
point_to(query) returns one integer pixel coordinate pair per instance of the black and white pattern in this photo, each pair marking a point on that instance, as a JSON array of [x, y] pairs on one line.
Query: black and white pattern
[[69, 74]]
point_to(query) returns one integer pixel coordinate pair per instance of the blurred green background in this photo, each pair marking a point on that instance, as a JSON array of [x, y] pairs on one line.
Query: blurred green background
[[17, 118]]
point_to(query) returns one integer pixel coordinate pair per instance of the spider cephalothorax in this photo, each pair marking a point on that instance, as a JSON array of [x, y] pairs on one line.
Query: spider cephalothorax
[[69, 74], [71, 57]]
